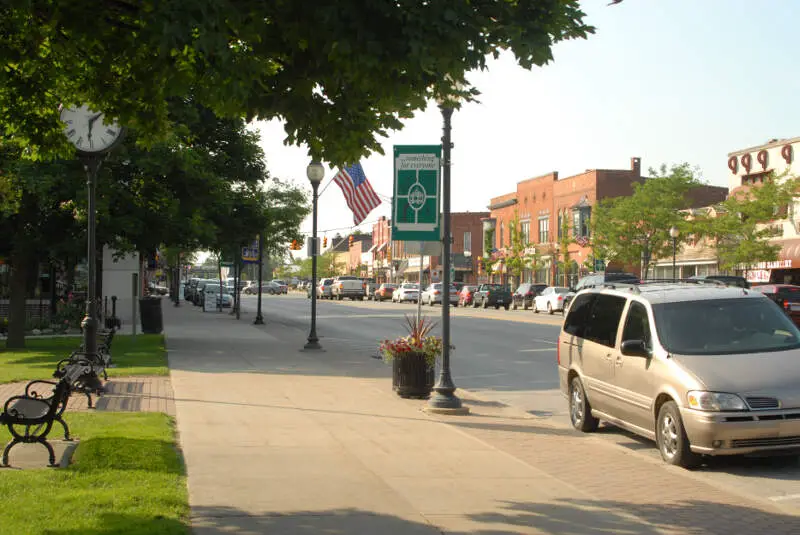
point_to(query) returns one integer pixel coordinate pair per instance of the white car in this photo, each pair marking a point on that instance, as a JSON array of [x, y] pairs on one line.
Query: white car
[[406, 292], [433, 294], [551, 299]]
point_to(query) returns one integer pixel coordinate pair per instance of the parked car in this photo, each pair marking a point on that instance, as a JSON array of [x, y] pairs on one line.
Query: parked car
[[465, 296], [348, 286], [371, 287], [283, 288], [324, 288], [198, 296], [433, 294], [729, 280], [524, 294], [551, 299], [786, 296], [496, 295], [384, 292], [408, 291], [701, 369], [224, 298], [599, 279], [250, 288]]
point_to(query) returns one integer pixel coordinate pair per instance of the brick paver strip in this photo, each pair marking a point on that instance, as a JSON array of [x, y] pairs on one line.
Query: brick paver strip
[[127, 394], [663, 496]]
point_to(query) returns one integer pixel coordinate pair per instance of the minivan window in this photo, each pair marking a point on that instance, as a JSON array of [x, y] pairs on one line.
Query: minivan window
[[637, 325], [724, 327], [604, 319], [578, 316]]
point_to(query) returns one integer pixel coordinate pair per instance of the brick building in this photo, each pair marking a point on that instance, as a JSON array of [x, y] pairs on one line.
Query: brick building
[[546, 207]]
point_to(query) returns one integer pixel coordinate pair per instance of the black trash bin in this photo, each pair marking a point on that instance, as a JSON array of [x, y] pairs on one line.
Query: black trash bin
[[150, 314]]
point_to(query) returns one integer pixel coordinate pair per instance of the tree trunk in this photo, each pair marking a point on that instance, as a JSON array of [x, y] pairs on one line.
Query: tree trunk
[[20, 266]]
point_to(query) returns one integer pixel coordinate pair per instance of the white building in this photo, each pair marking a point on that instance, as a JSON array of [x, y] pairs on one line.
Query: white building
[[752, 166]]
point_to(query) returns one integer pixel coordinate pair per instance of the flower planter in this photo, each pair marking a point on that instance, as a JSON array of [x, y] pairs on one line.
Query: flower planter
[[412, 377]]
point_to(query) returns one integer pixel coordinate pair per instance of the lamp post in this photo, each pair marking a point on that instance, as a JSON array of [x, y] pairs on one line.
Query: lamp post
[[315, 173], [259, 318], [674, 232], [444, 398]]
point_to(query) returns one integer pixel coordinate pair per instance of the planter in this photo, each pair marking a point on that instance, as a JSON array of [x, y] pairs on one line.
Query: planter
[[412, 377]]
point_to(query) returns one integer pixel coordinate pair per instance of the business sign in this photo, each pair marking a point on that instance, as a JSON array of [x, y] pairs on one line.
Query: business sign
[[250, 254], [415, 203]]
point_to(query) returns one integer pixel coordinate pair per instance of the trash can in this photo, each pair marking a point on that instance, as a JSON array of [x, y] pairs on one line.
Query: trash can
[[150, 314]]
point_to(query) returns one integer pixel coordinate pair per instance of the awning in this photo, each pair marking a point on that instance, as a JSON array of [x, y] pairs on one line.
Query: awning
[[789, 255], [382, 247], [372, 249]]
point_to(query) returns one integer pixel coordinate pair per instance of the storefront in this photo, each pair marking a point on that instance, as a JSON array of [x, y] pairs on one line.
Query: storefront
[[780, 272]]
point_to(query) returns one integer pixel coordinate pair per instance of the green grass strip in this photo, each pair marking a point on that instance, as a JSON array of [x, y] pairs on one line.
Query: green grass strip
[[126, 477], [143, 355]]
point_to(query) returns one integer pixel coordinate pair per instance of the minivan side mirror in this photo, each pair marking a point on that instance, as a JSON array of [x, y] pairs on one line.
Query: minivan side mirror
[[634, 348]]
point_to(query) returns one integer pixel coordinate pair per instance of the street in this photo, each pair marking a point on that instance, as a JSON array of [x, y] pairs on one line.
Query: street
[[509, 357]]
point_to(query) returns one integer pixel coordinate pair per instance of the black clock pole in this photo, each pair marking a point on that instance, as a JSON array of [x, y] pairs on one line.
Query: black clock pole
[[91, 163]]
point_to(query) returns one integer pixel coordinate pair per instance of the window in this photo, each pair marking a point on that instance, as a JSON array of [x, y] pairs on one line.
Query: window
[[637, 325], [581, 218], [544, 229], [604, 319], [468, 242], [500, 237], [525, 231], [578, 316], [560, 226]]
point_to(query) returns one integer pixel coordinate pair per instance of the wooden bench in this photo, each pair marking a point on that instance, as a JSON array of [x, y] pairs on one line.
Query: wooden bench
[[30, 417]]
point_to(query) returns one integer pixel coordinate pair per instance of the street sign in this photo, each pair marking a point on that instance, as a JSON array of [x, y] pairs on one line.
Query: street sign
[[310, 249], [250, 254], [415, 204]]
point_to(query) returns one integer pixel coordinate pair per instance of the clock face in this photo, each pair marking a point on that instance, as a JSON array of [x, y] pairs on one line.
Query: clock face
[[89, 131]]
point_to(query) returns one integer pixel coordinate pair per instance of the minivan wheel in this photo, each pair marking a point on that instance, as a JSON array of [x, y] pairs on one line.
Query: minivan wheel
[[673, 444], [580, 411]]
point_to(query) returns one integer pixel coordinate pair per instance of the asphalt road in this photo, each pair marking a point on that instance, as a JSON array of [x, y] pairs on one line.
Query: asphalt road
[[510, 357]]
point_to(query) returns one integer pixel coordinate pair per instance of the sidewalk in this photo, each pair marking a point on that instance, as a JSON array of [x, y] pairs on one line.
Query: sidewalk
[[277, 440]]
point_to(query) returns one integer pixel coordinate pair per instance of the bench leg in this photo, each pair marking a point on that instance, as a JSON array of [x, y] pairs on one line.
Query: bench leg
[[89, 400], [60, 420], [14, 441], [51, 454]]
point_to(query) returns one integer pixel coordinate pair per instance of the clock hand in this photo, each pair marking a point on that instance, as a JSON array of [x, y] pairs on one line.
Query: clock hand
[[92, 120]]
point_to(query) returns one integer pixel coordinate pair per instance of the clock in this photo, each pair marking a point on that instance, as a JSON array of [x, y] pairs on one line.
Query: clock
[[89, 131]]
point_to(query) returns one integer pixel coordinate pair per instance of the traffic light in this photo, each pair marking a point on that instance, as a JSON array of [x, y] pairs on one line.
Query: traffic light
[[324, 242], [294, 246], [389, 255], [352, 240]]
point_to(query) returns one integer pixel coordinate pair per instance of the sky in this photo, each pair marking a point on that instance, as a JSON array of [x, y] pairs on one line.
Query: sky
[[668, 81]]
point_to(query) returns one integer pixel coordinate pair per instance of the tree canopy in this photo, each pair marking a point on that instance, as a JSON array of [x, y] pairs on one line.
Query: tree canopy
[[338, 72], [635, 228]]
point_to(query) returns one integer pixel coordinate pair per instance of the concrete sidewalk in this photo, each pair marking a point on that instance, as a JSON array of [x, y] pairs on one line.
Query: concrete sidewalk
[[281, 441]]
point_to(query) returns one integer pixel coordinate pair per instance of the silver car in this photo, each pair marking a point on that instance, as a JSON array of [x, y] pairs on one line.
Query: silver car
[[702, 369], [324, 288], [433, 294]]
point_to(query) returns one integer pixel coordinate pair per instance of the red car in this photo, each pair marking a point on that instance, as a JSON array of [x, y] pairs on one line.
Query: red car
[[466, 295], [786, 296], [384, 292]]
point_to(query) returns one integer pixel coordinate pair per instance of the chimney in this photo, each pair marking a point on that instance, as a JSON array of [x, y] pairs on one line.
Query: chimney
[[636, 166]]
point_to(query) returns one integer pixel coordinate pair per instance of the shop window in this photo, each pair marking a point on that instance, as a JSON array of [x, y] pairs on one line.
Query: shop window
[[525, 231], [500, 237]]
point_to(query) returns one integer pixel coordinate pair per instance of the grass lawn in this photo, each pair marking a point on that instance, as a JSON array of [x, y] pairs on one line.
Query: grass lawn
[[126, 477], [144, 355]]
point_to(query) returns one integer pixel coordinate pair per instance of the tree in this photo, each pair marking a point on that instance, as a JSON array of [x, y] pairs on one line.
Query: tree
[[340, 74], [739, 227], [635, 229]]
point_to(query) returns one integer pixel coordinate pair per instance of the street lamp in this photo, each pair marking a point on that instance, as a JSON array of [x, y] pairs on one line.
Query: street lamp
[[444, 398], [315, 173], [674, 232], [259, 318]]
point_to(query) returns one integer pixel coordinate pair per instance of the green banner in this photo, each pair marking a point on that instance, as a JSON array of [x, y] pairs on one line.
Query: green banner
[[415, 203]]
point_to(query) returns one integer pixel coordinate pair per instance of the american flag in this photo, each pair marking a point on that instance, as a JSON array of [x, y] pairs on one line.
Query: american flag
[[358, 193]]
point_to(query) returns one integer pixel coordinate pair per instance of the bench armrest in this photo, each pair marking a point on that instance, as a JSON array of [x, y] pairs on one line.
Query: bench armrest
[[33, 393]]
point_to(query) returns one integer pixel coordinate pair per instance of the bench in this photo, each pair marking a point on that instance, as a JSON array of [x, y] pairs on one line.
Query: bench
[[30, 417], [88, 382], [103, 340]]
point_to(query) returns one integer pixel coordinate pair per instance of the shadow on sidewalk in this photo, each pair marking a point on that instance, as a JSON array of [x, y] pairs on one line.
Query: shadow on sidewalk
[[582, 517]]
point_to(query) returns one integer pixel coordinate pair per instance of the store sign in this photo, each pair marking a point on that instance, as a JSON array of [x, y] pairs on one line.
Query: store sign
[[757, 275], [777, 264]]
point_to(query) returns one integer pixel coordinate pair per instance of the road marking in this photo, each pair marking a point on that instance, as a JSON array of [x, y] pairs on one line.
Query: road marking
[[539, 349], [785, 497], [544, 341], [340, 316]]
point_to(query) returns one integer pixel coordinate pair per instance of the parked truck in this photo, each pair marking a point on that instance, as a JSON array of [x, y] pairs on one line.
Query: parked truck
[[496, 295], [348, 286]]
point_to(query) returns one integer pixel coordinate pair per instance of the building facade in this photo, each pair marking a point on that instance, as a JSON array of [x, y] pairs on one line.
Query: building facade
[[553, 218], [750, 167]]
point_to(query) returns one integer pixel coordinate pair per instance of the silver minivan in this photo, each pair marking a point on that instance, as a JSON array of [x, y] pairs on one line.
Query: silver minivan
[[702, 369]]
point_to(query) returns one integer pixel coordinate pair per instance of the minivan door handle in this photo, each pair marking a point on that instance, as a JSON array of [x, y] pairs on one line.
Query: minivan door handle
[[619, 361]]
